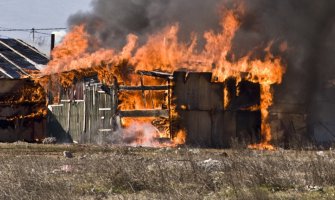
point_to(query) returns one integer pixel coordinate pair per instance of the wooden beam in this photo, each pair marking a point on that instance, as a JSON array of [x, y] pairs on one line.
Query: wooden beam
[[141, 88], [71, 101], [105, 109], [156, 74], [105, 130], [143, 91], [144, 113]]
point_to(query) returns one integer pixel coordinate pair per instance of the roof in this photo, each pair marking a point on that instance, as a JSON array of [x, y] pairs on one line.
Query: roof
[[18, 58]]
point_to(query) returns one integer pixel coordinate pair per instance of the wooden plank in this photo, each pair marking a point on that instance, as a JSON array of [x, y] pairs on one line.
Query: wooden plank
[[76, 119], [223, 128], [57, 122], [105, 109], [105, 112], [197, 92], [144, 113], [139, 88], [105, 130], [84, 111], [114, 105], [68, 111], [69, 101], [89, 114], [204, 119], [248, 126], [217, 96], [198, 127], [179, 92], [156, 74]]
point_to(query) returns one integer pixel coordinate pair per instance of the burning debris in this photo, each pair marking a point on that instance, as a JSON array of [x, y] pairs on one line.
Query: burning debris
[[81, 53], [22, 111]]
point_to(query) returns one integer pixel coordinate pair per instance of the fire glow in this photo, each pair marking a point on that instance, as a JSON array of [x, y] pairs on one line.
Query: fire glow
[[163, 51]]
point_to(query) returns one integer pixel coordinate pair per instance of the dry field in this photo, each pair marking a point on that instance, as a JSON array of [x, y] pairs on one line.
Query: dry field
[[31, 171]]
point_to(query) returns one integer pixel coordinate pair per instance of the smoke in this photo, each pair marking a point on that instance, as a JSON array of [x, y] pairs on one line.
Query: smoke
[[140, 134], [112, 20], [136, 134], [307, 26], [59, 35]]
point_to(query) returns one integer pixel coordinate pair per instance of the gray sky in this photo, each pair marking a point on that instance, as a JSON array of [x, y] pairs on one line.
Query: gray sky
[[37, 14]]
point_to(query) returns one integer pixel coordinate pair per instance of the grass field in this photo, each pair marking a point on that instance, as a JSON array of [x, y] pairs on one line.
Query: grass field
[[32, 171]]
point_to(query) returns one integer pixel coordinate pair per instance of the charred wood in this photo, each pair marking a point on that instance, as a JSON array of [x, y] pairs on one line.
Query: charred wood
[[139, 88], [145, 113]]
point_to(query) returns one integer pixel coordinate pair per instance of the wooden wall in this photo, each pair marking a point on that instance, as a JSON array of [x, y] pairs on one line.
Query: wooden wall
[[86, 120], [200, 104]]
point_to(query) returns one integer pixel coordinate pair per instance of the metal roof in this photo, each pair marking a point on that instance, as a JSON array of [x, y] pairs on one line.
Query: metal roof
[[18, 58]]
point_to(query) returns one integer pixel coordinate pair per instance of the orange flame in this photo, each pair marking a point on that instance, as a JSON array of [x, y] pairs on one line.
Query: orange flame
[[28, 94], [180, 138], [225, 98]]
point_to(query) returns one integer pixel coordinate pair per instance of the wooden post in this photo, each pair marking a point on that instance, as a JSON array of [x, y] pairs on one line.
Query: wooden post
[[169, 109], [84, 113], [137, 88], [52, 46], [143, 93], [144, 113], [68, 118], [114, 106]]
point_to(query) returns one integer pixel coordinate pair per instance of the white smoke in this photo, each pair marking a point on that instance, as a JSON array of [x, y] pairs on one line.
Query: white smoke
[[59, 35]]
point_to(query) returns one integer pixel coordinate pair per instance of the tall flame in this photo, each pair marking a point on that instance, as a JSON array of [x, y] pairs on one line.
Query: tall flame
[[165, 52]]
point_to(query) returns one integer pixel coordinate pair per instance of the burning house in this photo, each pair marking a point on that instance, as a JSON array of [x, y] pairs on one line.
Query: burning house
[[158, 78], [22, 100]]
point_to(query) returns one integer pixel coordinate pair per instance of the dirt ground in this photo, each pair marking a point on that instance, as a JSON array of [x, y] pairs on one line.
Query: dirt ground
[[36, 171]]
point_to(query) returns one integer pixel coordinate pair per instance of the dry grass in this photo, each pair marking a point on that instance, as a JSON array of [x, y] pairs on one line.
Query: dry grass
[[41, 172]]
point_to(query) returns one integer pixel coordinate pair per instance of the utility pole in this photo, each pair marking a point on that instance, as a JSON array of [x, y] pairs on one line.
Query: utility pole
[[33, 31]]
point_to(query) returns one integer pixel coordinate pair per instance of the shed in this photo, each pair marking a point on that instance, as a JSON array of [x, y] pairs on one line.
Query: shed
[[88, 111]]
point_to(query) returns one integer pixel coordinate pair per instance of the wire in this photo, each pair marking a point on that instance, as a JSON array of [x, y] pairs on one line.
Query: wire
[[3, 29], [42, 33], [33, 31], [47, 29]]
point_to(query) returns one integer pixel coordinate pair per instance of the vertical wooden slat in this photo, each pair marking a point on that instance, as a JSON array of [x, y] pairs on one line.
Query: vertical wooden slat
[[84, 111]]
